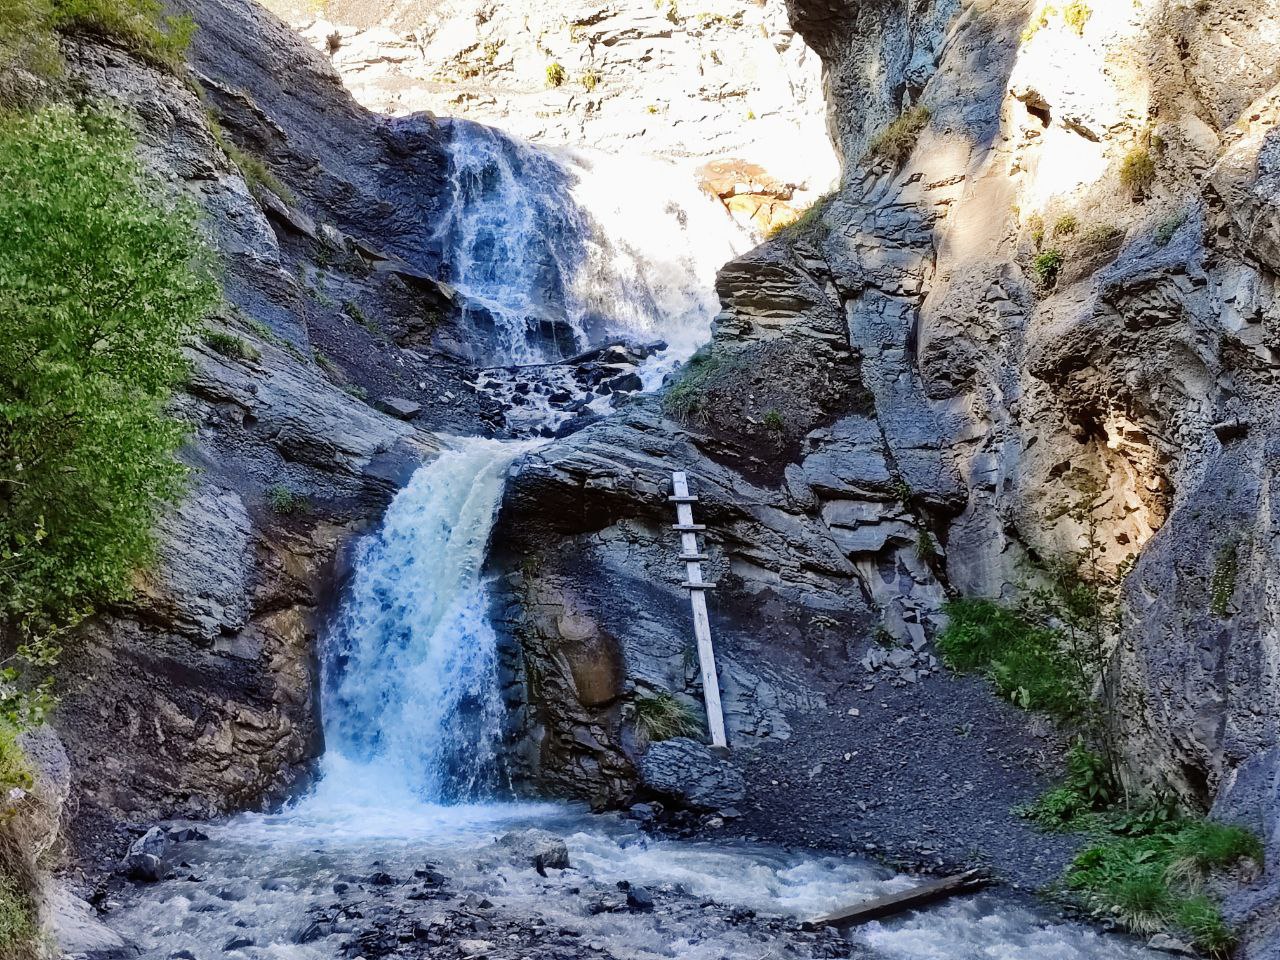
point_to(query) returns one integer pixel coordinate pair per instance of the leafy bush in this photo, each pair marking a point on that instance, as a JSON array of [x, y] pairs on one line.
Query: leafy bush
[[555, 75], [896, 141], [1026, 662], [663, 717], [773, 421], [19, 930], [229, 345], [1138, 171], [15, 771], [286, 501], [1047, 264], [1066, 225], [590, 80], [101, 284]]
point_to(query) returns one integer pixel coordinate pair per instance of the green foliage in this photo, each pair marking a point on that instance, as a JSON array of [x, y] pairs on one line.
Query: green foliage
[[773, 421], [1037, 23], [257, 175], [896, 141], [101, 284], [137, 25], [1066, 225], [286, 501], [590, 79], [1035, 223], [491, 49], [229, 345], [19, 929], [1138, 171], [27, 47], [1047, 264], [684, 399], [1025, 661], [1222, 586], [663, 717], [1075, 15], [15, 771], [1100, 235], [1151, 879], [555, 74]]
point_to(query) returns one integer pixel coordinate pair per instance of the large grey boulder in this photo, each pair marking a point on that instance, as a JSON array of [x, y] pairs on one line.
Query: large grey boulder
[[537, 848], [687, 772]]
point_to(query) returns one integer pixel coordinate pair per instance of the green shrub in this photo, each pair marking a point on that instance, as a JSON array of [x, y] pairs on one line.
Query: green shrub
[[19, 929], [685, 395], [590, 80], [1066, 225], [229, 345], [1026, 662], [138, 25], [773, 421], [663, 717], [1075, 15], [15, 771], [101, 284], [1047, 264], [896, 141], [286, 501], [1138, 171], [555, 75], [1152, 880], [1035, 223]]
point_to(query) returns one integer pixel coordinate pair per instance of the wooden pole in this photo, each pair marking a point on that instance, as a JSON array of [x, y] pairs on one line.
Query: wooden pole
[[697, 588], [892, 903]]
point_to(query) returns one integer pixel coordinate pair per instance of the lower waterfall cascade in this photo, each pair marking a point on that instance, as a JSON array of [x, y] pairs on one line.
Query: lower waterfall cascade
[[392, 850]]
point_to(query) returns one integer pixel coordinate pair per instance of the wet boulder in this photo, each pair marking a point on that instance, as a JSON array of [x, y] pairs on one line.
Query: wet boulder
[[538, 848], [689, 773]]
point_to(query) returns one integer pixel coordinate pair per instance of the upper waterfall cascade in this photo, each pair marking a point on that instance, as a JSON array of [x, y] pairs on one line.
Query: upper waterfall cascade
[[556, 249]]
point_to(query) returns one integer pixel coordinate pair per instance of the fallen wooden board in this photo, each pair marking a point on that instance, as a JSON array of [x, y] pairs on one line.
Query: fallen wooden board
[[892, 903]]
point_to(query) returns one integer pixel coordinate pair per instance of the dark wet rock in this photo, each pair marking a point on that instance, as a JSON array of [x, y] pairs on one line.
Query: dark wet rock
[[143, 868], [399, 407], [237, 943], [381, 879], [689, 773], [538, 848], [639, 899]]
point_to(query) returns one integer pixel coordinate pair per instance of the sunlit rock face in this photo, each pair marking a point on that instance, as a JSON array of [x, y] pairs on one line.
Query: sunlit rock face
[[712, 81]]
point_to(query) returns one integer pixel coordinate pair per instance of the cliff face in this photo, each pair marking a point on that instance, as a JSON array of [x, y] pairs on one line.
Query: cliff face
[[1134, 146]]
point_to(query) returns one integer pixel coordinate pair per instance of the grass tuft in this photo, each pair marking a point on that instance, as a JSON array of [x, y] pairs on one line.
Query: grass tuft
[[896, 142], [1138, 171], [662, 717], [286, 501], [229, 345], [555, 74]]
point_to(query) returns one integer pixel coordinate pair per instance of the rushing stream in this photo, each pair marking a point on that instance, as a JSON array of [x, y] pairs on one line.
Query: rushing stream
[[393, 851]]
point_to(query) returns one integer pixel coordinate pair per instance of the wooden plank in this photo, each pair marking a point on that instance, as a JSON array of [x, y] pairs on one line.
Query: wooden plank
[[683, 499], [698, 601], [693, 557], [698, 585], [894, 903]]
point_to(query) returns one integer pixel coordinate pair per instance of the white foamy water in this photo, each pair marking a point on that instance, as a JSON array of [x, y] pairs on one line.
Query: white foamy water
[[561, 249]]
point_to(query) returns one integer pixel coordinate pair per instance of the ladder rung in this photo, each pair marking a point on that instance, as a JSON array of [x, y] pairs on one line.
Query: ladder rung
[[698, 586], [683, 499], [688, 527], [693, 557]]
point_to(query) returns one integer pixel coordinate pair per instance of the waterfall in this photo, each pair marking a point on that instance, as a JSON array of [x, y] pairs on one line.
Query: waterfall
[[410, 694], [557, 249]]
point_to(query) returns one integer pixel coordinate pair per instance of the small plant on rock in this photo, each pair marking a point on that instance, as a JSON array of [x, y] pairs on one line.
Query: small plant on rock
[[590, 80], [773, 421], [1047, 264], [555, 74], [1138, 171], [1169, 226], [661, 716], [231, 346], [286, 501], [1075, 15], [1066, 225], [896, 141]]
